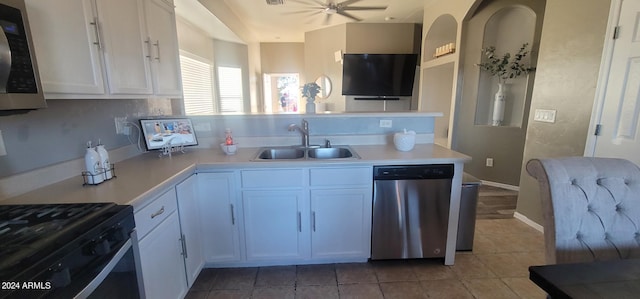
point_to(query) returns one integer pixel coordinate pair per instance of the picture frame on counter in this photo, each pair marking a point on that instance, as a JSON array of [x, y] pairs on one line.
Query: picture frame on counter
[[161, 133]]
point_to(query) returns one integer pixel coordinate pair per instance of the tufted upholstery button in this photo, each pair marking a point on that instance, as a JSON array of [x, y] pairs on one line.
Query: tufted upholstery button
[[589, 208], [599, 182], [627, 182], [618, 208], [574, 182]]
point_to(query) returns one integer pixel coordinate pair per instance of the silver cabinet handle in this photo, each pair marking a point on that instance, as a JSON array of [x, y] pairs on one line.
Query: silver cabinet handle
[[148, 42], [157, 44], [313, 221], [183, 240], [96, 28], [299, 222], [158, 213], [233, 216]]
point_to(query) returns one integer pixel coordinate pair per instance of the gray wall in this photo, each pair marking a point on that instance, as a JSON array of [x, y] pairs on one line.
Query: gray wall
[[569, 61], [59, 132], [505, 144]]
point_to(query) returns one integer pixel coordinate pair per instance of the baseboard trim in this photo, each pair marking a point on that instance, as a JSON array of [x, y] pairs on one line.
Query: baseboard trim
[[500, 185], [528, 222]]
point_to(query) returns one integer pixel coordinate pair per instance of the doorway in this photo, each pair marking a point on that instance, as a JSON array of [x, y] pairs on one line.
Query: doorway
[[281, 93]]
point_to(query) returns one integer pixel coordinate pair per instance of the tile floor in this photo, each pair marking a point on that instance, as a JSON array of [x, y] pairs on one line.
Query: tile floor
[[496, 268]]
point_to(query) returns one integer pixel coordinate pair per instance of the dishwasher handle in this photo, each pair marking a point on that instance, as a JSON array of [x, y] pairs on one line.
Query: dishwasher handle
[[413, 172]]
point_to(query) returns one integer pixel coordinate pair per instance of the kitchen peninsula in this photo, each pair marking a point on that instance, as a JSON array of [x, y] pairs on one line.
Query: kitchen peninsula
[[227, 201]]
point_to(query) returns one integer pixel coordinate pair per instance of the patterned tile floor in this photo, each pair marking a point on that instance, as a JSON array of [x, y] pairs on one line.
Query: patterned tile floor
[[496, 268]]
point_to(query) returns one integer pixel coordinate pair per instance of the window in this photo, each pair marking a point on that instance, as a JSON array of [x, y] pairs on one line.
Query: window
[[197, 85], [230, 87]]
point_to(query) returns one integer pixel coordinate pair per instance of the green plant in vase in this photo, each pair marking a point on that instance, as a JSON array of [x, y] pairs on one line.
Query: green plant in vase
[[503, 67], [310, 91]]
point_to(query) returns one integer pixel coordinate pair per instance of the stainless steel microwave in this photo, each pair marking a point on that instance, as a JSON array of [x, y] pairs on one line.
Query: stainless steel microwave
[[20, 86]]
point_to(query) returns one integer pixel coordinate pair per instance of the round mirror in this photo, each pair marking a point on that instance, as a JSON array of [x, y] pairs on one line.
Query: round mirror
[[325, 86]]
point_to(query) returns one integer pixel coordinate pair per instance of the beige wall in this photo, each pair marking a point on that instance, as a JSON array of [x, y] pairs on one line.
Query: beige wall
[[282, 58], [569, 62], [475, 137], [380, 38], [194, 40], [319, 48]]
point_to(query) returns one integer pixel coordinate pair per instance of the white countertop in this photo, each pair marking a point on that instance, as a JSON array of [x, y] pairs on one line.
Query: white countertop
[[146, 176]]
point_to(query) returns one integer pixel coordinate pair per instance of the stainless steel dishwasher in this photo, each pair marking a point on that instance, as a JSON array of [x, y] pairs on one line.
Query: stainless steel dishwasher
[[410, 211]]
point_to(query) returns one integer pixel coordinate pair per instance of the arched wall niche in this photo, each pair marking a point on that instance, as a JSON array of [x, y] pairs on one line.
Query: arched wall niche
[[507, 30], [443, 31]]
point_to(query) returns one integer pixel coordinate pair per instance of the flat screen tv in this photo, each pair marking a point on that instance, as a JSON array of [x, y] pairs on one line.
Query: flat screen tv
[[378, 74]]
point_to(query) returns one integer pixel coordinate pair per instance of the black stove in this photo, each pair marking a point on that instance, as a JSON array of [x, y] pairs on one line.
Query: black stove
[[53, 250]]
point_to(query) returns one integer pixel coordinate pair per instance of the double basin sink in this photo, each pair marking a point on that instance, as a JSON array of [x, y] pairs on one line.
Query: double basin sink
[[301, 153]]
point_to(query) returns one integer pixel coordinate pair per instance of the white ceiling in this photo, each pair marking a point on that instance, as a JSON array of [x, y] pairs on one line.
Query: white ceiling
[[289, 22]]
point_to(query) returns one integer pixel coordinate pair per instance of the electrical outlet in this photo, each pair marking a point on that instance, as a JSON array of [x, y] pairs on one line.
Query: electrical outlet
[[126, 130], [120, 124], [489, 162], [386, 123]]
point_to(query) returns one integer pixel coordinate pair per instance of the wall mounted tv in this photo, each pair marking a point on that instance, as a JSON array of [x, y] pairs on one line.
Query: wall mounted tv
[[379, 75]]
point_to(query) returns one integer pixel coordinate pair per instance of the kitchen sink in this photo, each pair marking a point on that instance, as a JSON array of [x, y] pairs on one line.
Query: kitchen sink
[[330, 153], [280, 154], [298, 153]]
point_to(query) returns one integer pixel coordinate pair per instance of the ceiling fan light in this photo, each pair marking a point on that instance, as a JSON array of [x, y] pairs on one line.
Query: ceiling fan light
[[330, 10], [275, 2]]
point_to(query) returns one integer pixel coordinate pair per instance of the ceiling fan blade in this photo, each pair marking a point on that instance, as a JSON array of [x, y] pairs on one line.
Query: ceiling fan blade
[[347, 2], [327, 19], [364, 8], [348, 15]]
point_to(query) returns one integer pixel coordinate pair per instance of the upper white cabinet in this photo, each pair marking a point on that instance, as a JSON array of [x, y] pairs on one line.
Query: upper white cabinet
[[68, 53], [163, 41], [105, 48]]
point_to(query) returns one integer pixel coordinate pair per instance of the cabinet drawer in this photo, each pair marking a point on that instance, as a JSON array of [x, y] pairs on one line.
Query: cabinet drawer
[[272, 178], [340, 176], [151, 215]]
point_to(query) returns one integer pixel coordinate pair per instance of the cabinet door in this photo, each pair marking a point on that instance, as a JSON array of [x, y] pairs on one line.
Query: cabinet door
[[161, 261], [341, 223], [274, 224], [190, 225], [68, 53], [218, 213], [165, 64], [121, 27]]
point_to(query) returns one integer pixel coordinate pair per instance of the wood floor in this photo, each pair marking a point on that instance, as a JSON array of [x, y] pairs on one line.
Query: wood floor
[[496, 203]]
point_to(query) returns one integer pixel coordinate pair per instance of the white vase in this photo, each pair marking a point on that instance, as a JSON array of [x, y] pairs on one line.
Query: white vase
[[498, 106], [311, 106]]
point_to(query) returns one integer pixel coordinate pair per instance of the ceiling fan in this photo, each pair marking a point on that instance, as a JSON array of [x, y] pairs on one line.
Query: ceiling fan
[[330, 8]]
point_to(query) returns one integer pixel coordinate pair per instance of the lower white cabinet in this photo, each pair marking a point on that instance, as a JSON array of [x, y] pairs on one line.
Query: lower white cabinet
[[274, 224], [219, 218], [161, 260], [341, 223], [189, 212]]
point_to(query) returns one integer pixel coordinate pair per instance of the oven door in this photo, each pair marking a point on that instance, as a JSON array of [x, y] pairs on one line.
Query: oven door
[[120, 276]]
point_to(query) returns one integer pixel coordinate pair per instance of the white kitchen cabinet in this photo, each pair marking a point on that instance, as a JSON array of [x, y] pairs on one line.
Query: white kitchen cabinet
[[163, 41], [276, 226], [341, 223], [190, 226], [65, 42], [161, 260], [219, 217], [101, 48]]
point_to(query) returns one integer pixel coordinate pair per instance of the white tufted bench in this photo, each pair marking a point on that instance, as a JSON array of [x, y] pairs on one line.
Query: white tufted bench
[[591, 208]]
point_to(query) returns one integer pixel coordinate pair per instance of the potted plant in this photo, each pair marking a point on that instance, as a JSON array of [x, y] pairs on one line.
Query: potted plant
[[503, 67], [310, 91]]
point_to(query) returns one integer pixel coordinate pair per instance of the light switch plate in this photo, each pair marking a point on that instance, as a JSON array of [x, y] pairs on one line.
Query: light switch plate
[[545, 115], [386, 123]]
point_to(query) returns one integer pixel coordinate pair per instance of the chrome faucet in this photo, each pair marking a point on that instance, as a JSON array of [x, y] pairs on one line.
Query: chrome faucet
[[304, 130]]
